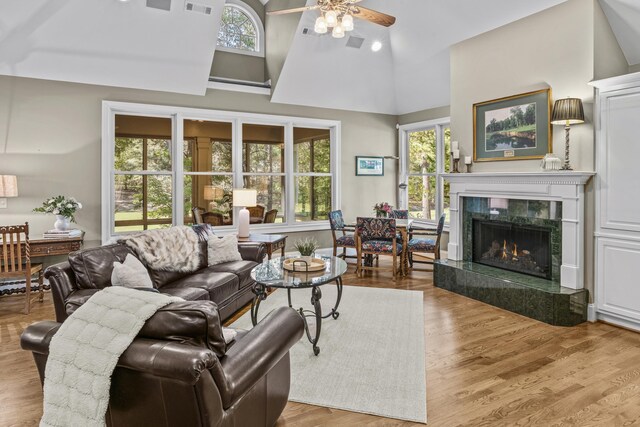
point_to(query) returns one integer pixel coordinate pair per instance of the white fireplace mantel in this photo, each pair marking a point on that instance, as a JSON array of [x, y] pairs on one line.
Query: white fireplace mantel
[[565, 187]]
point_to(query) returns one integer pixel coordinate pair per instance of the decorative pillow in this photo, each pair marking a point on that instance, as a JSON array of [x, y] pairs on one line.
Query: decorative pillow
[[130, 274], [229, 335], [223, 249]]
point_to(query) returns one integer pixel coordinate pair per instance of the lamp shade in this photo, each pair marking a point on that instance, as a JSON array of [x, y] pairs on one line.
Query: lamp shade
[[8, 186], [245, 197], [212, 192], [567, 111]]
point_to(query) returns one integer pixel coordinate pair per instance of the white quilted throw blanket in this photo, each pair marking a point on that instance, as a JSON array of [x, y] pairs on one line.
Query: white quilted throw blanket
[[170, 249], [85, 350]]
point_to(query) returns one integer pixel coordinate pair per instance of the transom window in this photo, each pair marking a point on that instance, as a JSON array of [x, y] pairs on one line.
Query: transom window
[[239, 30]]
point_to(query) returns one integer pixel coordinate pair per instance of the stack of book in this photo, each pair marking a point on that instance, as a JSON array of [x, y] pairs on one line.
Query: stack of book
[[61, 234]]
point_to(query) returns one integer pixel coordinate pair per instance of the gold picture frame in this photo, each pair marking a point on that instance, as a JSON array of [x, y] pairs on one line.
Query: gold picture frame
[[523, 139]]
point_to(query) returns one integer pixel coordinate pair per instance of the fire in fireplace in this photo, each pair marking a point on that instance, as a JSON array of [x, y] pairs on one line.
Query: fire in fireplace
[[511, 246]]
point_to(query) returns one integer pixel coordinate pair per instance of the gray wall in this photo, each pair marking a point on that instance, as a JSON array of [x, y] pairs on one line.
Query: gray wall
[[424, 115], [564, 48], [50, 136], [238, 66]]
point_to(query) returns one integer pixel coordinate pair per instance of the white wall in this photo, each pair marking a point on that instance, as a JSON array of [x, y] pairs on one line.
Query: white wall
[[50, 136]]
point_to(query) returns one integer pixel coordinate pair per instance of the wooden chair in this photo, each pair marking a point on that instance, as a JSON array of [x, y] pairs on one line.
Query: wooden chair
[[16, 259], [270, 216], [377, 236], [425, 245], [340, 238], [197, 214], [256, 211], [214, 218]]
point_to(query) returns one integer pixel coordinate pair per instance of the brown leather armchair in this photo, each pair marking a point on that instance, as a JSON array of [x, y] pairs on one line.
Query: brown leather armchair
[[179, 371]]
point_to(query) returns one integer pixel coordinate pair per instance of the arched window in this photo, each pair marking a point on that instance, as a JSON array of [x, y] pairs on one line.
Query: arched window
[[241, 30]]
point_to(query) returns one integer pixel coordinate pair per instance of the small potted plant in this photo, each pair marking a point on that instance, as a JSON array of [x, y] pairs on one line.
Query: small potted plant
[[307, 247], [63, 208]]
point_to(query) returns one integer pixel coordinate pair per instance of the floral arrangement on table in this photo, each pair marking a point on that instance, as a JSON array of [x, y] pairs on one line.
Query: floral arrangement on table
[[306, 247], [63, 208], [382, 209]]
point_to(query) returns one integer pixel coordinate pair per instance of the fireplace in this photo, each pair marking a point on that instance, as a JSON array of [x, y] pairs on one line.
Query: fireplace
[[511, 246]]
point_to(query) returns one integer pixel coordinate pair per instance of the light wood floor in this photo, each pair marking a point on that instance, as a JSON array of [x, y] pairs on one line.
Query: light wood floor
[[485, 367]]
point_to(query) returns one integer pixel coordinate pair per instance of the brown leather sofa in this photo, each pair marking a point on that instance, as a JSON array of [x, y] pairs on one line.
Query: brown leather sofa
[[180, 372], [87, 271]]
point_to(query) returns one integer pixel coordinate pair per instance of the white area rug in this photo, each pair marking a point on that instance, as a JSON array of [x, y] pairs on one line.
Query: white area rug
[[372, 358]]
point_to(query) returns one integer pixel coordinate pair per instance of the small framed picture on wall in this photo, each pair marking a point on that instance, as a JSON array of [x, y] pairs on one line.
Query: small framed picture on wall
[[369, 166], [513, 128]]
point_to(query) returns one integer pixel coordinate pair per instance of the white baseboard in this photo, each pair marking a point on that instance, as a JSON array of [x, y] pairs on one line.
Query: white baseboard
[[623, 322], [592, 315]]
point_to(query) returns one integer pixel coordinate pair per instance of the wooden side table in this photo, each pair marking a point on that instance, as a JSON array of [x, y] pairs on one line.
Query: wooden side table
[[273, 242], [52, 247]]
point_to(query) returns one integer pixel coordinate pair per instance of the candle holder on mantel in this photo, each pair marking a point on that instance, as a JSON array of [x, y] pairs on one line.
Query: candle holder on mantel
[[469, 167], [456, 163]]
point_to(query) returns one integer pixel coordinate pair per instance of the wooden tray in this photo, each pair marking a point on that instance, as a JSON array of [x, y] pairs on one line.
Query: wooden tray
[[316, 264]]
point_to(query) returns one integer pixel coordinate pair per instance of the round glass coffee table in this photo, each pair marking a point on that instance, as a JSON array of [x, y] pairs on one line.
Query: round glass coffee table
[[271, 274]]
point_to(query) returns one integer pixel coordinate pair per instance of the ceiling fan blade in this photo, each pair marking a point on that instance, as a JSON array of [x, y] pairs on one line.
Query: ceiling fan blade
[[294, 10], [373, 16]]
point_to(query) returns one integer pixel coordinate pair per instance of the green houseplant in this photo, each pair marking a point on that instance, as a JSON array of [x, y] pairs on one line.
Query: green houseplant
[[306, 247]]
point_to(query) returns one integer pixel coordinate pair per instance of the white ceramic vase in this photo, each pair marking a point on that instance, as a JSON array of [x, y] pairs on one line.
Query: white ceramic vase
[[62, 223]]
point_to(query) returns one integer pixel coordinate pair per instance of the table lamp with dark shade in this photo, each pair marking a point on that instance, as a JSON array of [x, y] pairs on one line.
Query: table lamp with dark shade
[[567, 112]]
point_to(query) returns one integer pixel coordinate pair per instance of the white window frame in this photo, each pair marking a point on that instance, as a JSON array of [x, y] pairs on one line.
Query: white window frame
[[257, 23], [178, 114], [403, 137]]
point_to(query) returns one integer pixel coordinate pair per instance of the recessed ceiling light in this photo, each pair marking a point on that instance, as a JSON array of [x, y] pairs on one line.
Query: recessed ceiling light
[[376, 46]]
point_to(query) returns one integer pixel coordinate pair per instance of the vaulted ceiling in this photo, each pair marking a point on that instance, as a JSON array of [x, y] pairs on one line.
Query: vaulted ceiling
[[109, 42], [128, 44], [624, 17], [410, 72]]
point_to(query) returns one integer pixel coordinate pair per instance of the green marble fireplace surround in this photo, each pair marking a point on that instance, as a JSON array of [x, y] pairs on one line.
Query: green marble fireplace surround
[[535, 297], [549, 202]]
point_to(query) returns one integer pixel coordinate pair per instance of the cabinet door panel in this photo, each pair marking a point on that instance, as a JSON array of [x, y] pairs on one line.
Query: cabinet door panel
[[618, 273], [620, 181]]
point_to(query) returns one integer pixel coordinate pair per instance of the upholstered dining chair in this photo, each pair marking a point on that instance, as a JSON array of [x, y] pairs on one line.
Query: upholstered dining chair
[[425, 245], [16, 260], [400, 214], [270, 216], [339, 233], [377, 236]]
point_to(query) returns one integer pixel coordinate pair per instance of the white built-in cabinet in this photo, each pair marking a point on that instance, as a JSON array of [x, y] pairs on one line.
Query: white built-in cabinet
[[617, 269]]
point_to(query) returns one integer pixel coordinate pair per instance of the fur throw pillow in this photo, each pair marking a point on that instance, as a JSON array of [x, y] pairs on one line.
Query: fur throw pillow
[[170, 249], [130, 274], [223, 249]]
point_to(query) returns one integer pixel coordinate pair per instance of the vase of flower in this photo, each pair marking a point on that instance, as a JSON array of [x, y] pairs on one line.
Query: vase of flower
[[62, 223], [382, 209], [63, 208]]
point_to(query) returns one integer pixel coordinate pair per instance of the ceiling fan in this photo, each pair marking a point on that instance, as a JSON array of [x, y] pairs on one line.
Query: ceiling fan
[[338, 15]]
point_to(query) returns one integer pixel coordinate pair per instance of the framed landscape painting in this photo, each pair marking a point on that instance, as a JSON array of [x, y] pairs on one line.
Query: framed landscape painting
[[514, 128], [371, 166]]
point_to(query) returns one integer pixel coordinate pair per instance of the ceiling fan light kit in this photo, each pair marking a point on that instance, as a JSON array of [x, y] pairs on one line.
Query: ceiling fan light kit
[[338, 15]]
